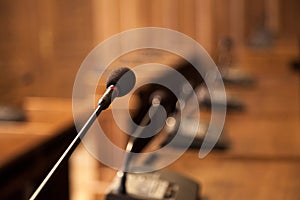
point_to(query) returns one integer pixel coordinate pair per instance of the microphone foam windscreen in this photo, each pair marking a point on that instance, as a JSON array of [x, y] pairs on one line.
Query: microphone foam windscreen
[[123, 78]]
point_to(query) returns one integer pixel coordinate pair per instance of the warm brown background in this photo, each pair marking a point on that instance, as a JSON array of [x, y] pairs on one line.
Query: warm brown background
[[42, 43]]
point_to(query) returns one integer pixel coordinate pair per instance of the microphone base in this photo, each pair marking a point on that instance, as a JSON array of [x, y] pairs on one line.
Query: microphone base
[[154, 186]]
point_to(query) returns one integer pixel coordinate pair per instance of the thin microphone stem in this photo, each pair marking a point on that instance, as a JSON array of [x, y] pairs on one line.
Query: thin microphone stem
[[69, 150], [129, 147]]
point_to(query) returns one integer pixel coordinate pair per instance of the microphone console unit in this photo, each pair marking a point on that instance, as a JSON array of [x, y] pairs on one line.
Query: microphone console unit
[[162, 185]]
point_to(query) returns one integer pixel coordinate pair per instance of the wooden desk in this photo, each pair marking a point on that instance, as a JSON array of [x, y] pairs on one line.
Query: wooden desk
[[237, 178], [263, 161], [29, 149]]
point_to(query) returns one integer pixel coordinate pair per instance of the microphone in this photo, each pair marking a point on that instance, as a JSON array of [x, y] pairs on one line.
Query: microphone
[[155, 100], [119, 83], [166, 185], [152, 185]]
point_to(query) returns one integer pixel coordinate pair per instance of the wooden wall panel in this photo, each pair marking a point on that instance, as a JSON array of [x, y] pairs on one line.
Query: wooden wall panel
[[204, 24], [105, 18], [290, 16], [187, 17], [273, 11], [71, 42], [17, 51], [170, 17], [237, 22], [221, 12], [255, 17], [128, 14], [42, 46], [42, 43]]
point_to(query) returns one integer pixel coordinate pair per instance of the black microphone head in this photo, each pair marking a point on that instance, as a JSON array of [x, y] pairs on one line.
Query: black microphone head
[[123, 78]]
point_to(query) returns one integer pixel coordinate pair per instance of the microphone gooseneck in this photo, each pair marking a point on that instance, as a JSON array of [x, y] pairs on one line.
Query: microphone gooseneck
[[119, 83], [156, 98]]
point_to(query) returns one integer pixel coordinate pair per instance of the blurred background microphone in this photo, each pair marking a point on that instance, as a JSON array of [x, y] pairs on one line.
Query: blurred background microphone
[[43, 43], [167, 97], [128, 185]]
